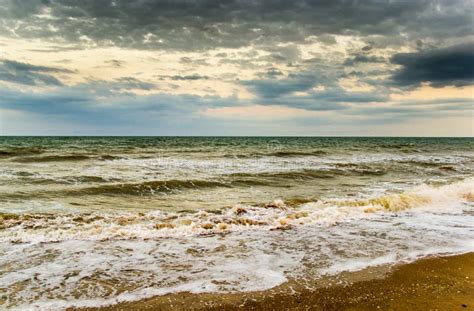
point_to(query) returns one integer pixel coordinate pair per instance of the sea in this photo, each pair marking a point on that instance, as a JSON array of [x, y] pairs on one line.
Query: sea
[[95, 221]]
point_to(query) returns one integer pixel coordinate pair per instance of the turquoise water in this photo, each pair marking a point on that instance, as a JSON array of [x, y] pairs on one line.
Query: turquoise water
[[96, 220]]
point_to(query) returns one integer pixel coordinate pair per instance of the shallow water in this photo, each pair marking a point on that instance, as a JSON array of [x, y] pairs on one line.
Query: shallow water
[[95, 221]]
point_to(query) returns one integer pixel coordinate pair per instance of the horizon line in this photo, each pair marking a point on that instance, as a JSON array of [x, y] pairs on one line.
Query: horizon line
[[242, 136]]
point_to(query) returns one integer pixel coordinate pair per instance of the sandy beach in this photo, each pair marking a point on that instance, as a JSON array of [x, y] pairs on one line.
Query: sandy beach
[[438, 283]]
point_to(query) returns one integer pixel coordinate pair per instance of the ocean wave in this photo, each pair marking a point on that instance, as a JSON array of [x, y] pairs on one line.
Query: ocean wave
[[19, 177], [277, 153], [51, 158], [425, 163], [398, 146], [332, 171], [68, 180], [148, 187], [157, 187], [64, 158], [108, 157], [290, 174], [98, 185], [289, 153], [277, 215], [18, 151]]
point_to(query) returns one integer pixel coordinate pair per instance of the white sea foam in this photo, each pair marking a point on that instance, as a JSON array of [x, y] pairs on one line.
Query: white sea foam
[[37, 228], [105, 259]]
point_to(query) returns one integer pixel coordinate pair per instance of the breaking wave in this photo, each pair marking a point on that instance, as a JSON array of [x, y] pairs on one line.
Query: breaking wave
[[277, 215]]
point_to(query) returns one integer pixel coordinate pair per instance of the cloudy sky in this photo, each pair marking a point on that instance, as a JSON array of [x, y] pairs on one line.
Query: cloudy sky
[[202, 67]]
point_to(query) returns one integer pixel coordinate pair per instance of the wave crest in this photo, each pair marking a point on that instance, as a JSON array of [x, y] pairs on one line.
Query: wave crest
[[276, 215]]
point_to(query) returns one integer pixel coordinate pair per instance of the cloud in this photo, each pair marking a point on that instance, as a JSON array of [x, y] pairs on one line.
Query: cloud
[[255, 112], [440, 67], [67, 101], [327, 100], [403, 111], [453, 103], [194, 76], [115, 63], [104, 99], [17, 66], [23, 73], [318, 57], [272, 88], [301, 91], [271, 73], [131, 83], [363, 59], [204, 24]]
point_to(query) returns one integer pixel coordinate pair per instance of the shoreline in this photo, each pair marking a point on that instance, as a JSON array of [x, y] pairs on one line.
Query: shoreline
[[433, 283]]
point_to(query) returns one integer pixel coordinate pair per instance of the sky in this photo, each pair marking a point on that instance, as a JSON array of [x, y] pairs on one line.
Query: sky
[[228, 67]]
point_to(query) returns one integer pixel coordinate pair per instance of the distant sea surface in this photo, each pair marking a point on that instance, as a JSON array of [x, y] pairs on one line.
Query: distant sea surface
[[89, 221]]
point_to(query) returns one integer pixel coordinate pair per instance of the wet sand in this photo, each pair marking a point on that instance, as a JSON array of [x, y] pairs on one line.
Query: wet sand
[[438, 283]]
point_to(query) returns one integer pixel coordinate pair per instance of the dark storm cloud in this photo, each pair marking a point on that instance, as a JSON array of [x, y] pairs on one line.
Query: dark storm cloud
[[363, 59], [23, 73], [440, 67], [204, 24]]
